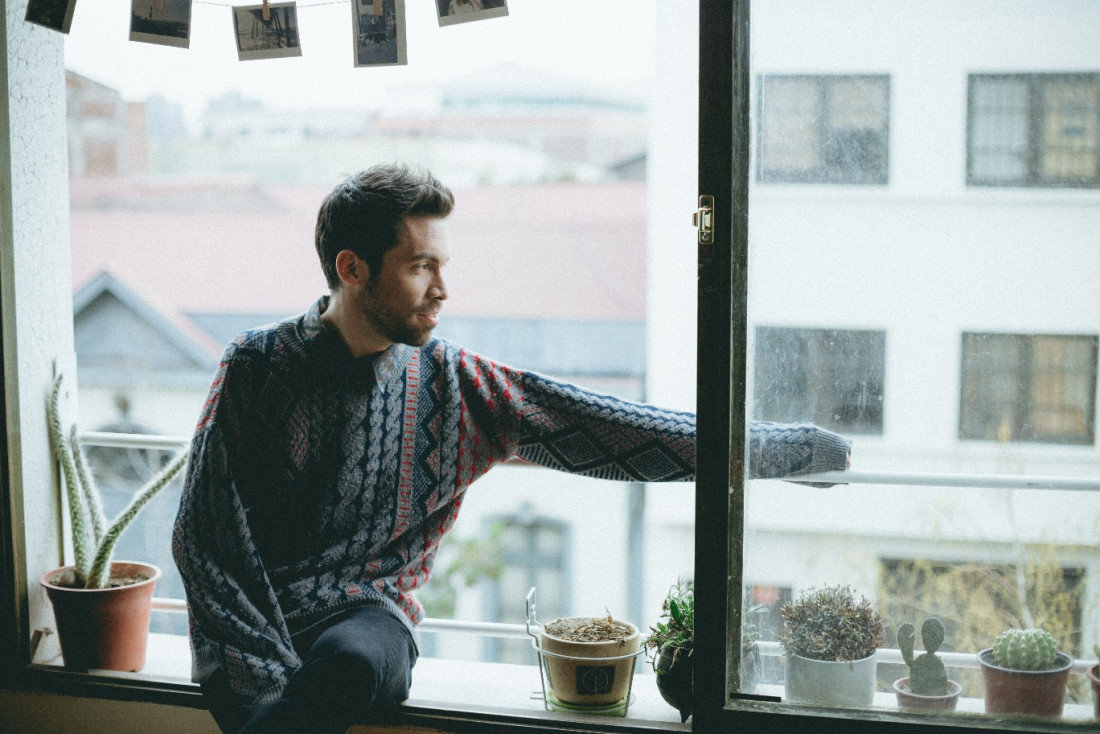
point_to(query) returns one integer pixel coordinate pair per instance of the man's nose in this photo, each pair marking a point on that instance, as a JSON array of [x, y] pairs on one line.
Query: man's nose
[[439, 288]]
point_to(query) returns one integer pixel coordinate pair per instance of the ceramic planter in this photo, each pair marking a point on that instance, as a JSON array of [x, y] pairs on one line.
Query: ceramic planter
[[674, 678], [1040, 692], [918, 702], [829, 683], [589, 673], [1094, 678], [104, 628]]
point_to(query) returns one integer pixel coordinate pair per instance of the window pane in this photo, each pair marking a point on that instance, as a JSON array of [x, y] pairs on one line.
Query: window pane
[[1070, 136], [1028, 388], [999, 116], [951, 334], [1035, 129], [830, 376], [823, 129]]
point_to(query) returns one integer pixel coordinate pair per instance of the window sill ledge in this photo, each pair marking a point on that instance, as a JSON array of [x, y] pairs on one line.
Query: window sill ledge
[[441, 689]]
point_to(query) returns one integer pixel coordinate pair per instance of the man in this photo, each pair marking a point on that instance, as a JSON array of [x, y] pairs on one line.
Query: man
[[334, 452]]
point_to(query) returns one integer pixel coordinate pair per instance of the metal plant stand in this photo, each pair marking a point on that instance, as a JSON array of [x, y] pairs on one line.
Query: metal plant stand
[[550, 701]]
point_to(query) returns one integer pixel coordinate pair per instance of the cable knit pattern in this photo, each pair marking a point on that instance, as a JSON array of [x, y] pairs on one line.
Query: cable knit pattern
[[318, 481]]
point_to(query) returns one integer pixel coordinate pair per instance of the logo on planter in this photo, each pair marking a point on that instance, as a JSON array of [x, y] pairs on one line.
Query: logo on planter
[[595, 679]]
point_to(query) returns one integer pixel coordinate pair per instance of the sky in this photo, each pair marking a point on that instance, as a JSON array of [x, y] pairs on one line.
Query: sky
[[604, 42]]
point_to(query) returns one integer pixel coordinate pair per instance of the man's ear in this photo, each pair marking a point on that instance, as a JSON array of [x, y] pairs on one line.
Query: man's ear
[[352, 269]]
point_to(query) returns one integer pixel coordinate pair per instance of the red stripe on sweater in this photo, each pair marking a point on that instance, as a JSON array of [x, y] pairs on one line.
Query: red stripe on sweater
[[408, 447]]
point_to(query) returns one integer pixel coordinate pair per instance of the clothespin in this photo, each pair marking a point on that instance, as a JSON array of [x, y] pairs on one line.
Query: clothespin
[[267, 12]]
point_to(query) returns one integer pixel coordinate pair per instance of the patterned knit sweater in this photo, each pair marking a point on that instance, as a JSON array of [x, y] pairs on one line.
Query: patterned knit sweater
[[318, 481]]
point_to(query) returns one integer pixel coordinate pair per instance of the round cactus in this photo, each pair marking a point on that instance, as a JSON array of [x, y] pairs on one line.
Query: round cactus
[[1030, 649]]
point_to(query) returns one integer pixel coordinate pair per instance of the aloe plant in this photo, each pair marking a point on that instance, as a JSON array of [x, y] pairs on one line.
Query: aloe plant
[[94, 540]]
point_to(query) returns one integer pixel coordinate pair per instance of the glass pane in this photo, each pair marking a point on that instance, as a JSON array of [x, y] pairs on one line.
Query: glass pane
[[951, 334], [196, 181]]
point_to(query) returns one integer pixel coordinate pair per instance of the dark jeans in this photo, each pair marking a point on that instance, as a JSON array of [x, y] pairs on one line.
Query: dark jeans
[[355, 666]]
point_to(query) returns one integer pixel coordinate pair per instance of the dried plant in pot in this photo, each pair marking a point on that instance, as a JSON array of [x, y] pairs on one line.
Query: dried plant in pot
[[101, 606], [671, 645], [589, 661], [1025, 673], [927, 688], [830, 641]]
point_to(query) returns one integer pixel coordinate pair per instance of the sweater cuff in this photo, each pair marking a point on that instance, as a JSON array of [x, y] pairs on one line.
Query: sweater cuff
[[830, 453]]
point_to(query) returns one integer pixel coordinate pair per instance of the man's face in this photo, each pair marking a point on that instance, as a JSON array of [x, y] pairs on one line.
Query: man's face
[[401, 302]]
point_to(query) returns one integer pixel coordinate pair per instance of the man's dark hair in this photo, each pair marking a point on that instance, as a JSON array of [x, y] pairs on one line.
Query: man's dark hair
[[364, 213]]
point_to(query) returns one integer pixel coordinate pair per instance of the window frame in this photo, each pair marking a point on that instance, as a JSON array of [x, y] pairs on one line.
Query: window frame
[[31, 217], [1035, 83], [1020, 373], [724, 140]]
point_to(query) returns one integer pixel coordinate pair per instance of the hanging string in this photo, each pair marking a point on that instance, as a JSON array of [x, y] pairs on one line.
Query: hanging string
[[300, 5]]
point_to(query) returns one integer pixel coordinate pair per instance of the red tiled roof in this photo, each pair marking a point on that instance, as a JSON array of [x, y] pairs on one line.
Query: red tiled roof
[[565, 251]]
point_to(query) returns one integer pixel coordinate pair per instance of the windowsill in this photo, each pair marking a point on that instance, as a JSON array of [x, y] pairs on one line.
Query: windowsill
[[499, 689], [494, 689]]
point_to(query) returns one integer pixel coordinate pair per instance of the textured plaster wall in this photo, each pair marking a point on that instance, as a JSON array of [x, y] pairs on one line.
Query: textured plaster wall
[[35, 283]]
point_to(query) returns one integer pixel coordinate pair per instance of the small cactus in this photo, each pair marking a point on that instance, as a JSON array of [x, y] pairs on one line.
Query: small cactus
[[1030, 649], [927, 674]]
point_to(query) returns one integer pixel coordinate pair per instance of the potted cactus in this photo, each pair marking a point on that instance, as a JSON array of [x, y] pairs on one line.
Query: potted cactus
[[830, 640], [1024, 673], [927, 687], [101, 606]]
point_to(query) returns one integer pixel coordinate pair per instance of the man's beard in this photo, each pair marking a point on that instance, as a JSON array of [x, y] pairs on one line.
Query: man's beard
[[395, 327]]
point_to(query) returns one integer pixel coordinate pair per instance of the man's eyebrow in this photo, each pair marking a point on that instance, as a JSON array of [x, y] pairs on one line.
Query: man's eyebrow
[[427, 256]]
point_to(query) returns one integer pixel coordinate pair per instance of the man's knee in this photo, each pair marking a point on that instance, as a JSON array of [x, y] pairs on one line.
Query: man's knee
[[352, 678]]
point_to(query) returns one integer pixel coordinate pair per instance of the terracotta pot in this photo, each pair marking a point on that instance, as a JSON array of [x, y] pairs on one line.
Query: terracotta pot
[[1094, 678], [590, 673], [1040, 692], [103, 628], [829, 683], [919, 702], [673, 667]]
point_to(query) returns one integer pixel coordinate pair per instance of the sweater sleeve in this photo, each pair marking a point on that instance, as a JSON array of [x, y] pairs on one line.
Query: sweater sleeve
[[236, 622], [583, 432]]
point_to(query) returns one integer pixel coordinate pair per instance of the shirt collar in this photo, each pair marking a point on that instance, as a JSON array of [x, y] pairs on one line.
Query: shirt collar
[[388, 365]]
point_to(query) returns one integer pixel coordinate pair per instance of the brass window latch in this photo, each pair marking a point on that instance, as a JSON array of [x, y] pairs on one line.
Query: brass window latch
[[703, 219]]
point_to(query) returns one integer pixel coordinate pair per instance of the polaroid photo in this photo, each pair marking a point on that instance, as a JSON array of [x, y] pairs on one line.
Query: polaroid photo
[[378, 32], [464, 11], [54, 14], [273, 38], [165, 22]]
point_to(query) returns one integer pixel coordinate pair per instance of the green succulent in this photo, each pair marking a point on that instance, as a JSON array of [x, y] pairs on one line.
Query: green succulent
[[829, 624], [678, 627], [1030, 649], [927, 674]]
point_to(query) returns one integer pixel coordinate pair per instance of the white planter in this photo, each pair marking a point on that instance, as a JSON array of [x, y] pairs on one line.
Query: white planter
[[828, 683]]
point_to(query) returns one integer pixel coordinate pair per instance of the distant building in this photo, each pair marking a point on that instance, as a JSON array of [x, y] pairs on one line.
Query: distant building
[[107, 134]]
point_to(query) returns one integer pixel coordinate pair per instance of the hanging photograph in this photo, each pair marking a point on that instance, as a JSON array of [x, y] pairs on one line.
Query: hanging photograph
[[167, 22], [463, 11], [378, 29], [54, 14], [269, 34]]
